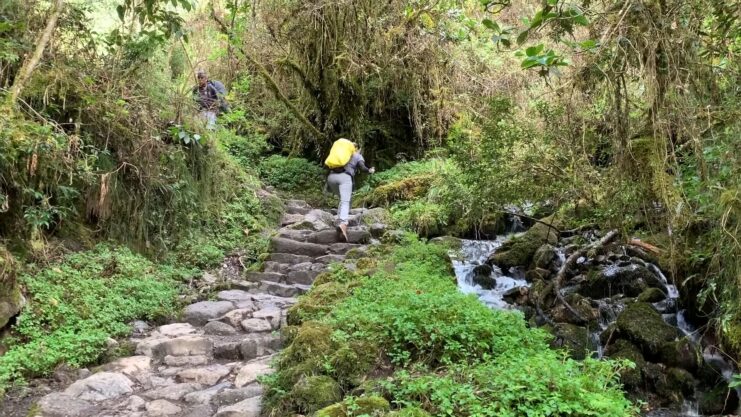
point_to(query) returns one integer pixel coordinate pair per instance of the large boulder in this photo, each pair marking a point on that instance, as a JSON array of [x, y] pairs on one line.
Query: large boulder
[[544, 256], [11, 299], [645, 327], [719, 400], [482, 276], [100, 387], [315, 220], [681, 354], [200, 313], [574, 339], [520, 250], [623, 349], [63, 405]]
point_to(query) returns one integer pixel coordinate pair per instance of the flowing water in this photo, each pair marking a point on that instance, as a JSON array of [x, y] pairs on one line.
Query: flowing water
[[474, 253]]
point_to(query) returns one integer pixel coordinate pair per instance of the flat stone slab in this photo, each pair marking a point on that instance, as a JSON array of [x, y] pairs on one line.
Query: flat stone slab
[[302, 277], [173, 392], [162, 408], [207, 375], [205, 396], [282, 290], [297, 248], [176, 329], [186, 360], [271, 314], [100, 387], [265, 276], [233, 295], [218, 328], [131, 365], [251, 407], [234, 318], [249, 373], [200, 313], [328, 259], [256, 325], [58, 404], [184, 346], [288, 218], [235, 395], [257, 345]]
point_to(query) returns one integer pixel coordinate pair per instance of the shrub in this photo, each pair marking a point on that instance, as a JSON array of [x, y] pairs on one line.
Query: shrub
[[291, 174]]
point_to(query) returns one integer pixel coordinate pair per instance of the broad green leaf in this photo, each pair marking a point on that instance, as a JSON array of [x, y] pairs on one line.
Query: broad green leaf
[[491, 24], [121, 11], [534, 50], [523, 37], [552, 2]]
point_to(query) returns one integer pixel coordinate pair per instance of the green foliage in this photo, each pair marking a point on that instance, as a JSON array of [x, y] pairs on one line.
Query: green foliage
[[451, 354], [292, 174], [80, 302]]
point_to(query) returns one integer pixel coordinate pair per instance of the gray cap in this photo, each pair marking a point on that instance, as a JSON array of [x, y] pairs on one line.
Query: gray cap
[[201, 73]]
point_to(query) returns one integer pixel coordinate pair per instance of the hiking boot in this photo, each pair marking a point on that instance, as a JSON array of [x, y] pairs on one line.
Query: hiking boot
[[342, 228]]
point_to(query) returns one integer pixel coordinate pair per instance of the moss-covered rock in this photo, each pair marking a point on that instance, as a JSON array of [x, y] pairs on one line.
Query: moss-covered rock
[[573, 338], [520, 250], [370, 405], [651, 295], [312, 393], [682, 354], [544, 256], [718, 400], [352, 361], [610, 280], [310, 340], [645, 327], [373, 216], [409, 412], [11, 299], [318, 302], [582, 305], [622, 349]]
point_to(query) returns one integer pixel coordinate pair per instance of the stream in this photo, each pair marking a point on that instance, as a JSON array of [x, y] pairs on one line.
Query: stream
[[471, 260]]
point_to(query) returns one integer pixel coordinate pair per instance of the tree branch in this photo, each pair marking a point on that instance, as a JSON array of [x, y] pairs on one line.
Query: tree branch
[[30, 64], [570, 262], [272, 84]]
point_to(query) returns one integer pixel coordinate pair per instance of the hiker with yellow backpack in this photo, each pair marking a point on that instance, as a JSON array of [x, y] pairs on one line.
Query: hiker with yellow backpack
[[344, 161]]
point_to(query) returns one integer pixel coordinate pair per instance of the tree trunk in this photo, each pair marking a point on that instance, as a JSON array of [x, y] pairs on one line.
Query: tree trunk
[[31, 62]]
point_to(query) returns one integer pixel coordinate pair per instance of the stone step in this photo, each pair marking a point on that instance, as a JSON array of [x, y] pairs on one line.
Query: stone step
[[288, 219], [282, 245], [302, 277], [342, 248], [289, 258], [276, 267], [328, 259], [265, 276], [354, 235], [282, 290]]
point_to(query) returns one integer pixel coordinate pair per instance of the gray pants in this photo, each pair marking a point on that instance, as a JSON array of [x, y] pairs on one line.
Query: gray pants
[[341, 184]]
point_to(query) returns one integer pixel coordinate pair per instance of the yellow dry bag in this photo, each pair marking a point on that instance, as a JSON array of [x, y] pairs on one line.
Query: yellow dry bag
[[340, 154]]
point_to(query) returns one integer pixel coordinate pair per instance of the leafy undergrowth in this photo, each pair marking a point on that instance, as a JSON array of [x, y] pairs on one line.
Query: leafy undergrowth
[[82, 301], [296, 177], [396, 338]]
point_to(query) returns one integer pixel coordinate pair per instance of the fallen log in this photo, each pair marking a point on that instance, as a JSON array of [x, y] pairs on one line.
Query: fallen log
[[570, 262]]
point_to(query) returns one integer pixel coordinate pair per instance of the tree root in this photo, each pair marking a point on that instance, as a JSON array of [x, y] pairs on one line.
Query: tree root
[[570, 262]]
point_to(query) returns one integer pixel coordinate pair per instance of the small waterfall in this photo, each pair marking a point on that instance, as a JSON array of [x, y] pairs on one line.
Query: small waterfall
[[474, 253]]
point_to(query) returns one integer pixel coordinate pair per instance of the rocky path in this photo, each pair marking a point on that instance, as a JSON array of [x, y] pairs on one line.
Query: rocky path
[[209, 364]]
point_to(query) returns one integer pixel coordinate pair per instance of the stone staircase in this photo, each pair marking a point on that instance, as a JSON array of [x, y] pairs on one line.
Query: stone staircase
[[209, 364]]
